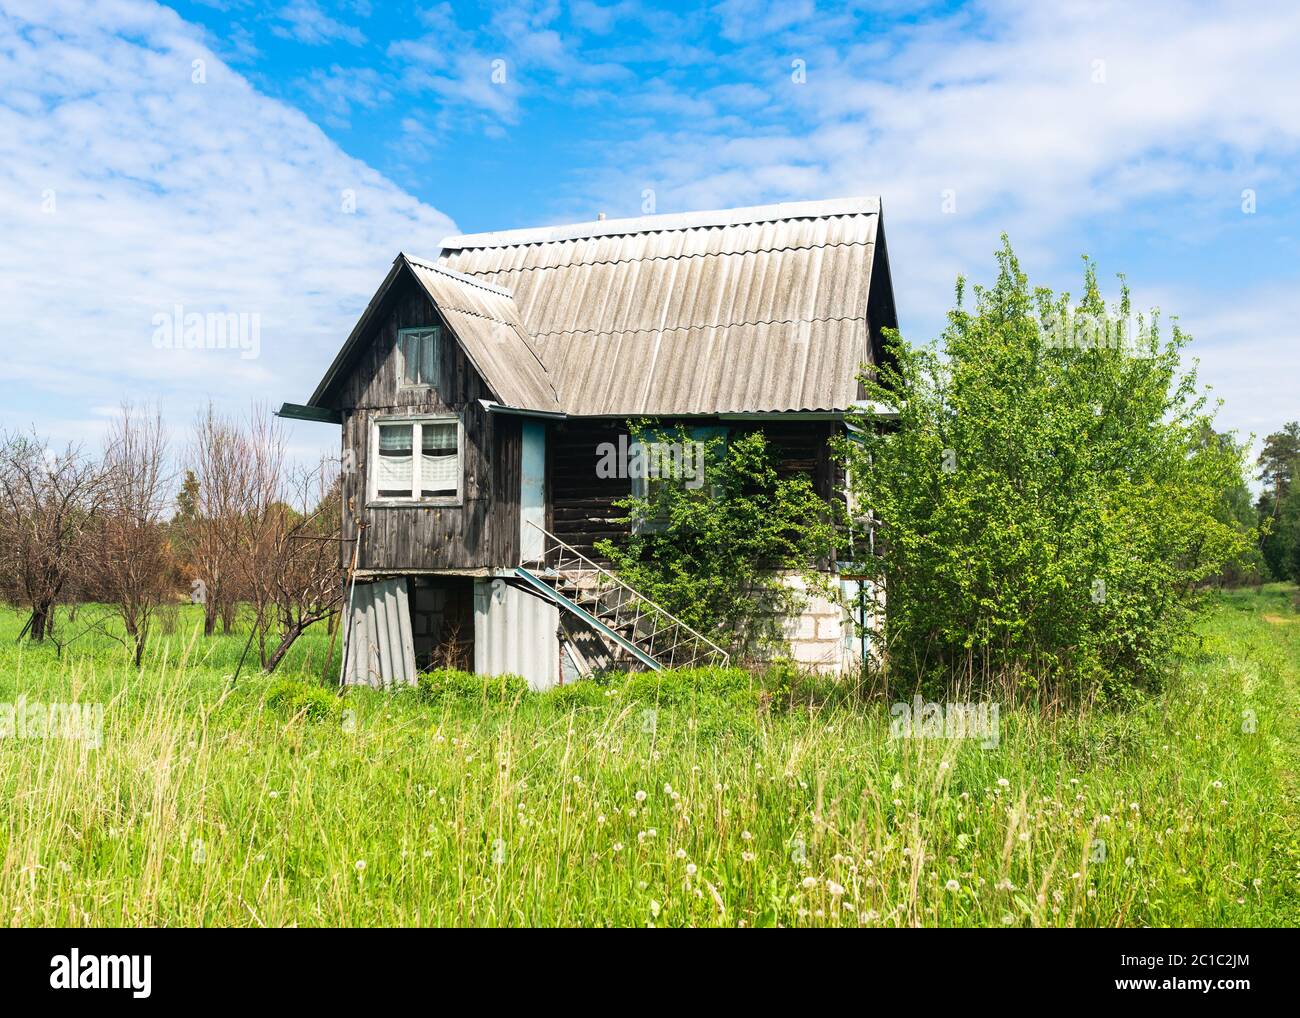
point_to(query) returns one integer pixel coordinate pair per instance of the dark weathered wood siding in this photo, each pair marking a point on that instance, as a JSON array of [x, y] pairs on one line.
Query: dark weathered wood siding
[[582, 509], [481, 532]]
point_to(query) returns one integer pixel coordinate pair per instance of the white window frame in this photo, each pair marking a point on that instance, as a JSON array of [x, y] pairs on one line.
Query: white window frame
[[372, 480], [402, 383]]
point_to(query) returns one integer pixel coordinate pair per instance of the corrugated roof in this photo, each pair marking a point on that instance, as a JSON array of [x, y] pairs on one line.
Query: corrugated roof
[[743, 310], [486, 321]]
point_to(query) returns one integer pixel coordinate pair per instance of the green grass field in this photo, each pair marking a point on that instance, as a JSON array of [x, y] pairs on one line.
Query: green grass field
[[671, 800]]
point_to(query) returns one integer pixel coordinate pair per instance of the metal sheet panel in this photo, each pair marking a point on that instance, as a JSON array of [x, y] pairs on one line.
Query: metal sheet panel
[[737, 369], [747, 310], [788, 285], [380, 651], [515, 634]]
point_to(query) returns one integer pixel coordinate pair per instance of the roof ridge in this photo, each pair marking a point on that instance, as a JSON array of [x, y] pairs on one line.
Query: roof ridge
[[679, 257], [746, 215]]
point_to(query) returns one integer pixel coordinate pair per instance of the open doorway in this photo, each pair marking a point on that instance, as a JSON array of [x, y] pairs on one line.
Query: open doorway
[[442, 621]]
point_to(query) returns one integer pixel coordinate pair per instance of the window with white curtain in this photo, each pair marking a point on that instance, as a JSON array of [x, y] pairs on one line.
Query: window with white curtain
[[416, 459]]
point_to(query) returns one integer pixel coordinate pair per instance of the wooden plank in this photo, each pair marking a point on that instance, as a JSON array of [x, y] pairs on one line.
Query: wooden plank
[[483, 530]]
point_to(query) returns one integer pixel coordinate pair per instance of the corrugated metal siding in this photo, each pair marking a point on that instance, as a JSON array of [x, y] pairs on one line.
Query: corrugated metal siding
[[488, 325], [515, 634], [380, 651], [762, 316]]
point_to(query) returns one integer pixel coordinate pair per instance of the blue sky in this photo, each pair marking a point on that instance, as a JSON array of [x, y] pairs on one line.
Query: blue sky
[[198, 154]]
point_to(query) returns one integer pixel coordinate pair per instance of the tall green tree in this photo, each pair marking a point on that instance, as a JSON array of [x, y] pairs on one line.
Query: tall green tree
[[187, 499], [1278, 464], [1046, 498], [1235, 507], [1289, 534]]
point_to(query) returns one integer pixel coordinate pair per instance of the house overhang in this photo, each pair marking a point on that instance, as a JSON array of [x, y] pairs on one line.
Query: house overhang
[[316, 414], [493, 407]]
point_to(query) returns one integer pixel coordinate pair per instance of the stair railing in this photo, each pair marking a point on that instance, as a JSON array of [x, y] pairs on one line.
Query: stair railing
[[631, 608]]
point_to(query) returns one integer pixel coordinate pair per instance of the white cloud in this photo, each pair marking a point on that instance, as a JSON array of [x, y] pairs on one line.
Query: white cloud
[[337, 90], [305, 21], [126, 188], [748, 19], [1249, 351], [597, 18], [478, 76]]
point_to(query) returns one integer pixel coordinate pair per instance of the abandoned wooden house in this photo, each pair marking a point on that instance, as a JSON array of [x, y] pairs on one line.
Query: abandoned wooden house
[[478, 387]]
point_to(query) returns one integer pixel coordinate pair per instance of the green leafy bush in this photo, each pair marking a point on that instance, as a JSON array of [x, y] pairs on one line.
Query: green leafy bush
[[293, 696], [686, 686], [718, 703], [1047, 501]]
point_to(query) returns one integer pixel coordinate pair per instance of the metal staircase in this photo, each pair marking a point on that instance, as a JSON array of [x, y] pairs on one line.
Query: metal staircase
[[617, 612]]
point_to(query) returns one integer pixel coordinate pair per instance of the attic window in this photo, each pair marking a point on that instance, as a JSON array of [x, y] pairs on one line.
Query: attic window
[[418, 355], [416, 460]]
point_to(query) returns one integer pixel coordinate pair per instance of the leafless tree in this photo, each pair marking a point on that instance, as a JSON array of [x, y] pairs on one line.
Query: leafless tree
[[132, 552], [219, 456], [48, 503], [261, 518], [307, 584]]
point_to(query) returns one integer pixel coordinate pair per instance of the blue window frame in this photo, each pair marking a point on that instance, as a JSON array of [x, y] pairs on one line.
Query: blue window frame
[[645, 484]]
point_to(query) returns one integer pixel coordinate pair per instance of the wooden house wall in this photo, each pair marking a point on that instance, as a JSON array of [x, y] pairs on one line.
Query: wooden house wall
[[481, 532], [582, 509]]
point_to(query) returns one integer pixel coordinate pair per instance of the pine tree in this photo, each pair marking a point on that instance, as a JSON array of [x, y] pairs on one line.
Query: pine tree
[[187, 500], [1277, 467]]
